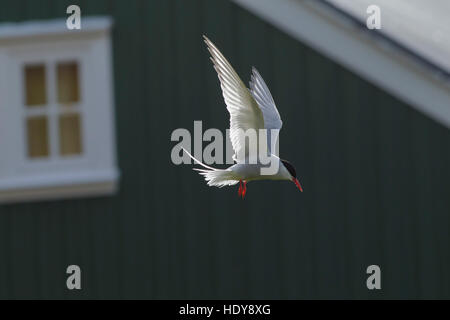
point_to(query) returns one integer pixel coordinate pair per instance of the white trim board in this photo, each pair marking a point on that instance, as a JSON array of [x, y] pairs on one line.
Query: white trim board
[[59, 186], [29, 29], [323, 29]]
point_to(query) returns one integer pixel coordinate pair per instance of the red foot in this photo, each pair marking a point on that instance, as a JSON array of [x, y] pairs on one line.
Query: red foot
[[240, 188]]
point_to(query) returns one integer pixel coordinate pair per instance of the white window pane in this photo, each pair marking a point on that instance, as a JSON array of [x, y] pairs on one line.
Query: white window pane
[[37, 137], [69, 134], [35, 85], [68, 86]]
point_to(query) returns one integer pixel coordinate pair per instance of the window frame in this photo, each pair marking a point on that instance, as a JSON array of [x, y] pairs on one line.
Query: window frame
[[51, 110]]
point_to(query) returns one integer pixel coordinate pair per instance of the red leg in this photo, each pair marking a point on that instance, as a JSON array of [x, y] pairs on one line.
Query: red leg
[[240, 188], [244, 191]]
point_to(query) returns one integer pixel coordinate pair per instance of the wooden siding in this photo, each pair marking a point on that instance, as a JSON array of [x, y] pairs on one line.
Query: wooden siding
[[375, 173]]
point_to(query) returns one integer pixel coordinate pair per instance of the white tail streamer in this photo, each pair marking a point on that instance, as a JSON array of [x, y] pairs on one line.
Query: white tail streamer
[[215, 177]]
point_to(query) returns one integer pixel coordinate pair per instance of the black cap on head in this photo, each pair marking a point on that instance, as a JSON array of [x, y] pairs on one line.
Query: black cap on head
[[290, 168]]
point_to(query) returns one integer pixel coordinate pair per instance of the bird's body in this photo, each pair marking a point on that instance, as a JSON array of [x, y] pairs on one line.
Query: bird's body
[[250, 109], [252, 172]]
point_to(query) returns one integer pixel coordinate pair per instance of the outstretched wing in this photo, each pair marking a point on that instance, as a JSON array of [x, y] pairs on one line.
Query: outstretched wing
[[244, 111], [272, 119]]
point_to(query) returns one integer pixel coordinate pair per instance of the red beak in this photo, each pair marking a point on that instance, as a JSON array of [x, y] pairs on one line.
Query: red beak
[[297, 184]]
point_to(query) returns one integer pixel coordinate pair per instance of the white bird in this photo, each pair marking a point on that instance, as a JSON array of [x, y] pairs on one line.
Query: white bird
[[252, 108]]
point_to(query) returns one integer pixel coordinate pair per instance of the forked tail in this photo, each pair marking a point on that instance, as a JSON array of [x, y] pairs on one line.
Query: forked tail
[[215, 177]]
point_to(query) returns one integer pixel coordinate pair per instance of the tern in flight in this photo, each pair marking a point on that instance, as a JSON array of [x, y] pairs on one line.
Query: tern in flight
[[252, 108]]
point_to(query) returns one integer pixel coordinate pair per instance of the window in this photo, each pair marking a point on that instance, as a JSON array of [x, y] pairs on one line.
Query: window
[[62, 111], [56, 111]]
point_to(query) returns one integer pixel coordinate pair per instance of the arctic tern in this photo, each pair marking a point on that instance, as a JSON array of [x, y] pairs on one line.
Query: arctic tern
[[252, 109]]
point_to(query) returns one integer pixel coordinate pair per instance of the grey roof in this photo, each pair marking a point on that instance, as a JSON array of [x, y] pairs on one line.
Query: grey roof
[[421, 26]]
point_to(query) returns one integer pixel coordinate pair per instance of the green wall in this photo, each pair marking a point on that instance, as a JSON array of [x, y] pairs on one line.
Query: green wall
[[375, 173]]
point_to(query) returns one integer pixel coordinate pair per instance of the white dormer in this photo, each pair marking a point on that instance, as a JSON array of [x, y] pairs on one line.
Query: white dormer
[[56, 110]]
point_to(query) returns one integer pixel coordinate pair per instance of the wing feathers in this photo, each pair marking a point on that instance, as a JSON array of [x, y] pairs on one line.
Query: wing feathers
[[244, 111], [263, 97]]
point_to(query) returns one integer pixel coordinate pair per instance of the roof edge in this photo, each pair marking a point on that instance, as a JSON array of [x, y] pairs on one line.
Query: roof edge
[[322, 28]]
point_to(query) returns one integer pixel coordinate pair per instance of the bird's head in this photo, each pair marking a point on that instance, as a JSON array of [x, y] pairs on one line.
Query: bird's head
[[290, 168]]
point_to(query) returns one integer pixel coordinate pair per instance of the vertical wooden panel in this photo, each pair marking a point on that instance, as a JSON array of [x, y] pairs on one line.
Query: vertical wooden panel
[[368, 189], [253, 41], [422, 182], [157, 99], [128, 78], [288, 85], [229, 249], [351, 91]]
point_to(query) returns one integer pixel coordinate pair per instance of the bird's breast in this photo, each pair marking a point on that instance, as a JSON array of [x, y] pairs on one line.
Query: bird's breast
[[251, 172]]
